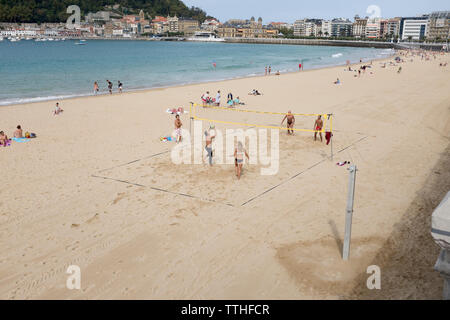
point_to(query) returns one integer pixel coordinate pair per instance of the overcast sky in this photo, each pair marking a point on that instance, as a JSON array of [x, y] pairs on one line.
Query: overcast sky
[[291, 10]]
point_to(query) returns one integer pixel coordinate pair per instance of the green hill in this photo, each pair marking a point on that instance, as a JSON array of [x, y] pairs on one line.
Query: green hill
[[55, 10]]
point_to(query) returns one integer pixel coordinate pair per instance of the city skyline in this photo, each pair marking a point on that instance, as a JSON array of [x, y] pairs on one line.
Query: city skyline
[[289, 11]]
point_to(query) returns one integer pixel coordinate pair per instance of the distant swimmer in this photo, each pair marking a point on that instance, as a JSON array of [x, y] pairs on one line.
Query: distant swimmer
[[318, 125], [95, 87], [178, 125], [290, 122], [239, 153], [119, 85]]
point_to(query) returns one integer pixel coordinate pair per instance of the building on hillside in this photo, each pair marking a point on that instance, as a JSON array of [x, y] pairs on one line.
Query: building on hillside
[[359, 27], [173, 24], [188, 26], [341, 28], [98, 17], [210, 25], [439, 26], [414, 28]]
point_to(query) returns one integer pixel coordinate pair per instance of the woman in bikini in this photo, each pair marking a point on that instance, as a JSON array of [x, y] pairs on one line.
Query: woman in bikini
[[239, 153]]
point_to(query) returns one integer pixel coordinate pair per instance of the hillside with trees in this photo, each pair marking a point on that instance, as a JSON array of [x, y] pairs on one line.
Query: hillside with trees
[[40, 11]]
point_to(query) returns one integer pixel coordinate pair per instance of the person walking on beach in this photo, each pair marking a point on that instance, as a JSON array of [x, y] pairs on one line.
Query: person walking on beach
[[318, 125], [208, 147], [290, 122], [95, 87], [178, 125], [239, 153], [265, 72], [270, 69], [119, 85], [110, 86], [218, 98]]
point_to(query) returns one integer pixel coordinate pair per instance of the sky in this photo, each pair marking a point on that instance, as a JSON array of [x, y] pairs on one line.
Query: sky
[[291, 10]]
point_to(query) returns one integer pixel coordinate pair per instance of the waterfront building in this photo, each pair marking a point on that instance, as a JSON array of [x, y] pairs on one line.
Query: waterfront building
[[359, 27], [341, 28], [414, 28], [373, 28], [439, 26]]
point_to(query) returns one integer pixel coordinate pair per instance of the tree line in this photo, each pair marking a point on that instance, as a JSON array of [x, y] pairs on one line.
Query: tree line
[[40, 11]]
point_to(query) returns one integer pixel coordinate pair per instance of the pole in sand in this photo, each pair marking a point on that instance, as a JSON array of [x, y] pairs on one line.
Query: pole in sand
[[349, 213]]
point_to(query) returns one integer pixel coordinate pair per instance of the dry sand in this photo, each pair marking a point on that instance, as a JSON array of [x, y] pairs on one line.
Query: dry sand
[[77, 195]]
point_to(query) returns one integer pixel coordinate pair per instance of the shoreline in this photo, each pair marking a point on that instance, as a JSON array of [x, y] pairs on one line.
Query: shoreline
[[69, 97]]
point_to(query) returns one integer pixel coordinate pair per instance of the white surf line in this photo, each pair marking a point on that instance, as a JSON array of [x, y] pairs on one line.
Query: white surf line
[[295, 176]]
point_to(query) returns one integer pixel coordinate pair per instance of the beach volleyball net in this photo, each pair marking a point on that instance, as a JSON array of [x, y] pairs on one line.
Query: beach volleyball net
[[238, 116]]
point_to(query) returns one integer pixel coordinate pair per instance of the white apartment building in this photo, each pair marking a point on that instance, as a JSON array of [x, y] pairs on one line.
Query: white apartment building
[[415, 27], [326, 28]]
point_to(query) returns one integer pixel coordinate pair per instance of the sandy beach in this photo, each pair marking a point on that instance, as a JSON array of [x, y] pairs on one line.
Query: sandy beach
[[97, 188]]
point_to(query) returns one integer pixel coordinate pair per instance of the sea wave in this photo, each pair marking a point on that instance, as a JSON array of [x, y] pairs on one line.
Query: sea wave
[[337, 55]]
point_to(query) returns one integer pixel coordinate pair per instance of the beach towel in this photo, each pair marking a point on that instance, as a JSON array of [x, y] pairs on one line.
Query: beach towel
[[20, 139], [8, 143], [166, 139]]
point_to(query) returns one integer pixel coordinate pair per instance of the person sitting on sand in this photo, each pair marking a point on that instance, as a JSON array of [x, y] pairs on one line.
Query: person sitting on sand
[[318, 125], [3, 139], [337, 81], [58, 109], [18, 133], [178, 125], [239, 153], [290, 122], [206, 99], [277, 73], [238, 101]]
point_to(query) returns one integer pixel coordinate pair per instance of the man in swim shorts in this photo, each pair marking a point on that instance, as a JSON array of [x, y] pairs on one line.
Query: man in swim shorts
[[318, 125], [178, 125], [290, 122]]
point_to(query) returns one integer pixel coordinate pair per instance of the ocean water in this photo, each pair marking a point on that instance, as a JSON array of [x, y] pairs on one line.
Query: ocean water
[[35, 71]]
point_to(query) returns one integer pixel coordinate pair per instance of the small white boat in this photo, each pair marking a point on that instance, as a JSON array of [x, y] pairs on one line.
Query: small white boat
[[51, 39], [1, 38], [205, 37]]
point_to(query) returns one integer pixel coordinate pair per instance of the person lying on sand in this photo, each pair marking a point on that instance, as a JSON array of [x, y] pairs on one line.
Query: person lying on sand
[[239, 158], [290, 122], [18, 133], [178, 125], [3, 139], [318, 125], [255, 93]]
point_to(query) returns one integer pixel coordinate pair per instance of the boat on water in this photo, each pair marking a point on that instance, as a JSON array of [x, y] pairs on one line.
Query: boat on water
[[1, 38], [205, 36]]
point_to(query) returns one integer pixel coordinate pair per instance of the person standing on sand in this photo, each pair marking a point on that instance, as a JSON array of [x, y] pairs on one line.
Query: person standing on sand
[[265, 72], [178, 125], [270, 69], [239, 153], [208, 147], [95, 87], [318, 125], [290, 122], [218, 99], [110, 86], [119, 85]]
